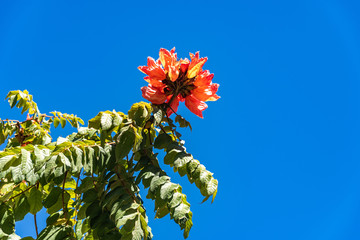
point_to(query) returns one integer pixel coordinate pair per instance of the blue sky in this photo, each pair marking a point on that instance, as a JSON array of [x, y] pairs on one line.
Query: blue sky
[[283, 140]]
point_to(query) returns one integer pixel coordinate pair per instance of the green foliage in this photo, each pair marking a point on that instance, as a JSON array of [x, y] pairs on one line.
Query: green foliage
[[168, 196], [22, 99], [61, 118], [88, 181], [182, 122], [184, 163], [140, 113], [7, 220]]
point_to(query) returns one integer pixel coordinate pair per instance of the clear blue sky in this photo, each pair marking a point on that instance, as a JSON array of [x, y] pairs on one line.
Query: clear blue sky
[[284, 139]]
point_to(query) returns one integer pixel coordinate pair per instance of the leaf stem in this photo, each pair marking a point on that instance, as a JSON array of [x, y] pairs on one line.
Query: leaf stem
[[63, 195], [162, 128], [36, 227], [77, 195], [172, 130], [168, 105], [127, 190], [10, 120], [149, 137], [20, 193]]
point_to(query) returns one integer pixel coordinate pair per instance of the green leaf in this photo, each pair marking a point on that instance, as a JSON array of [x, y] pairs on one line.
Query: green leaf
[[140, 113], [117, 119], [158, 116], [136, 232], [168, 196], [53, 218], [180, 211], [103, 136], [7, 221], [167, 190], [35, 198], [119, 208], [80, 120], [188, 225], [17, 174], [25, 101], [106, 121], [129, 215], [158, 181], [86, 184], [171, 156], [184, 163], [176, 199], [212, 188], [59, 203], [93, 210], [27, 167], [205, 177], [181, 159], [82, 211], [52, 198], [13, 101], [112, 196], [89, 165], [162, 141], [13, 236], [90, 195], [62, 122], [125, 142], [78, 228], [56, 122], [77, 156], [192, 165], [95, 122], [56, 233], [21, 208], [162, 212], [6, 161], [144, 226], [182, 122]]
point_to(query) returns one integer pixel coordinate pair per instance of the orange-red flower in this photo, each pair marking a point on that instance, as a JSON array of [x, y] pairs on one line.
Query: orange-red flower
[[172, 81]]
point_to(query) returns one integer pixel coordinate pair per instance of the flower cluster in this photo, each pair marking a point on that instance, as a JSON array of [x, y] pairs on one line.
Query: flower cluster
[[172, 81]]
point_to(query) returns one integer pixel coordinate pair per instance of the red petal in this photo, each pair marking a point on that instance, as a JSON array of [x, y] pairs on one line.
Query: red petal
[[153, 94], [154, 82], [174, 71], [153, 69], [165, 57], [206, 93], [214, 87], [173, 107], [170, 63], [195, 65], [195, 105], [204, 78], [184, 64]]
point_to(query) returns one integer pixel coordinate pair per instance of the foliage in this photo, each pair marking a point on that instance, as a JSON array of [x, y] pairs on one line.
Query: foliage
[[88, 181]]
